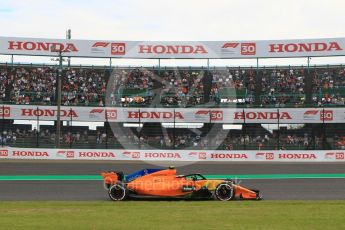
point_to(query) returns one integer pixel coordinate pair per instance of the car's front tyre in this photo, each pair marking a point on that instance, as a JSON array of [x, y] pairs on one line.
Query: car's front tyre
[[224, 192]]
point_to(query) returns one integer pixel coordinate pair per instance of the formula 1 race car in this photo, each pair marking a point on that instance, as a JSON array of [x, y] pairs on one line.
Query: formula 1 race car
[[164, 183]]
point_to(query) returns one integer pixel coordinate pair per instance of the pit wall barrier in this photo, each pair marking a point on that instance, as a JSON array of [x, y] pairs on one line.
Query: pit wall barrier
[[173, 155]]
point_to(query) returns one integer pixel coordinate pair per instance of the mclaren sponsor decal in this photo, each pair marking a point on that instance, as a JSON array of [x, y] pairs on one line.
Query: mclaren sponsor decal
[[188, 188]]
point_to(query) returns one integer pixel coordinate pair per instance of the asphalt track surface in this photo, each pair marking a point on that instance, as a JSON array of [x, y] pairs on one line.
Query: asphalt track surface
[[272, 189]]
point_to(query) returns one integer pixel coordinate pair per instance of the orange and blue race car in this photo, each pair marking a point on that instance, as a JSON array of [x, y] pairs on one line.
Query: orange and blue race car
[[164, 183]]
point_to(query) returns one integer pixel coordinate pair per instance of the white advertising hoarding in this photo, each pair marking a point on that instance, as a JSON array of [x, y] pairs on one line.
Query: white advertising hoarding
[[178, 115], [175, 49], [174, 155]]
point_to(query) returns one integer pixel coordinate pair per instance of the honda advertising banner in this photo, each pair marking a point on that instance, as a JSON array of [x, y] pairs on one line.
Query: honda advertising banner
[[174, 155], [174, 49], [181, 115]]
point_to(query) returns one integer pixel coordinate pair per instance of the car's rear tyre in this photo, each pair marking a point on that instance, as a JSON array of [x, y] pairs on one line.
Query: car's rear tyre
[[224, 192], [118, 192]]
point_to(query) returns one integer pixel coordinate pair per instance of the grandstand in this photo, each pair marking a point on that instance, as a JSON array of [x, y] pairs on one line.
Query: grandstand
[[277, 87], [179, 87]]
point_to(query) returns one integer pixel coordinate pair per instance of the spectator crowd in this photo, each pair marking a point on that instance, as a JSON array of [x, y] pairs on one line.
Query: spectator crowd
[[182, 88], [175, 87]]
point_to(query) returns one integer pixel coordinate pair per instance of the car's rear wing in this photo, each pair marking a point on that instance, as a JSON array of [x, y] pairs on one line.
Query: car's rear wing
[[110, 178]]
